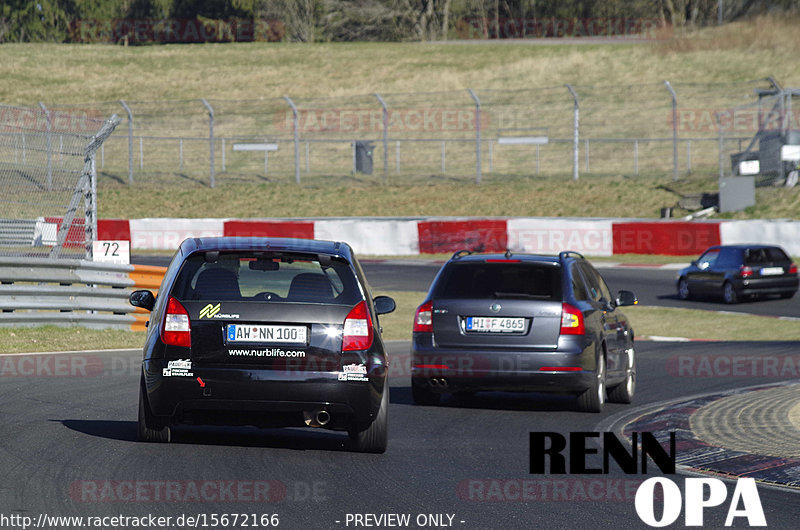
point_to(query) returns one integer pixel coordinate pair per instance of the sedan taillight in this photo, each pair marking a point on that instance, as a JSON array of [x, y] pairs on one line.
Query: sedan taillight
[[176, 329], [423, 319], [357, 333]]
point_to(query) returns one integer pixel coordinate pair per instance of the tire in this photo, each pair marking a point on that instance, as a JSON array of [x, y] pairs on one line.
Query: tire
[[683, 289], [623, 393], [594, 397], [729, 295], [151, 428], [375, 437], [423, 396]]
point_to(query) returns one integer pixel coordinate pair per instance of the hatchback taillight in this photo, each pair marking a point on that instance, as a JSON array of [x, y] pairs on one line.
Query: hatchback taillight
[[793, 269], [423, 319], [176, 329], [571, 320], [357, 333], [745, 271]]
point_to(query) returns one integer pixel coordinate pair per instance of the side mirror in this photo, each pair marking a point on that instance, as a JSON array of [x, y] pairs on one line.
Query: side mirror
[[142, 298], [384, 304], [626, 298]]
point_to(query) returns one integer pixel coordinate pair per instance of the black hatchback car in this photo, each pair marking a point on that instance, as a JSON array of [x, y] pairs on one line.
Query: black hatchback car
[[265, 332], [733, 272], [519, 322]]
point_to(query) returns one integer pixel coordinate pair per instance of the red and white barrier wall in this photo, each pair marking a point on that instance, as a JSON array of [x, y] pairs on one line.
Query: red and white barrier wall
[[413, 236]]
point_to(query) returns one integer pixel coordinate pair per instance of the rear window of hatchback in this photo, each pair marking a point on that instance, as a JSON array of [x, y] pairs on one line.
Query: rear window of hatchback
[[486, 280], [271, 277]]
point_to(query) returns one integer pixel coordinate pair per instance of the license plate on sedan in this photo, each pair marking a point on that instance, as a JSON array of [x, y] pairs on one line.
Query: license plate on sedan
[[495, 324], [771, 271], [266, 333]]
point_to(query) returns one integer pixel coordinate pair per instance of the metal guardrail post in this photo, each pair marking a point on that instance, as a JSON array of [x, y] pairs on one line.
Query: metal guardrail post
[[49, 146], [385, 136], [477, 135], [295, 127], [674, 131], [575, 134], [210, 140], [130, 141]]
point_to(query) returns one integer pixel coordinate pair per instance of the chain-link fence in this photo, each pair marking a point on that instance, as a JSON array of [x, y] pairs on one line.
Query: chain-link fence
[[470, 135], [47, 174]]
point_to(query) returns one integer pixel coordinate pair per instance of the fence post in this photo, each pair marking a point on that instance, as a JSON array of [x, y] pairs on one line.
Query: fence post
[[49, 146], [721, 146], [385, 136], [130, 141], [586, 142], [674, 131], [688, 157], [477, 135], [295, 126], [575, 133], [210, 140]]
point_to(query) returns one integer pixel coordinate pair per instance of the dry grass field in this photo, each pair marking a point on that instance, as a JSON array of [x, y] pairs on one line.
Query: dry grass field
[[61, 74], [76, 74]]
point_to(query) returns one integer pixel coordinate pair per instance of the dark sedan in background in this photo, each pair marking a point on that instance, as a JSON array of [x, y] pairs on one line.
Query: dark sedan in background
[[733, 272]]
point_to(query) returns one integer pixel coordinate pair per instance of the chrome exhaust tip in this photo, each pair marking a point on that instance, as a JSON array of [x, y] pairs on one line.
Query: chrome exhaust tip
[[316, 418], [323, 417]]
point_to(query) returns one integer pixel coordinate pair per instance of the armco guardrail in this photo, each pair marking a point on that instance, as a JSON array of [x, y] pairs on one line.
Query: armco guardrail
[[41, 291]]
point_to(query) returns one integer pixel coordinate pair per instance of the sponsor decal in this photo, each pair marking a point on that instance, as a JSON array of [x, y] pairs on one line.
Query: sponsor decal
[[178, 368], [353, 372], [210, 310], [213, 311], [266, 352]]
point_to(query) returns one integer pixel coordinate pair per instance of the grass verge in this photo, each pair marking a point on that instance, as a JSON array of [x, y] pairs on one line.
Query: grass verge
[[591, 196], [647, 321]]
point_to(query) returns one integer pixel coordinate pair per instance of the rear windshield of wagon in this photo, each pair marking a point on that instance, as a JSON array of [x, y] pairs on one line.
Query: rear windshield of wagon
[[534, 281], [267, 277]]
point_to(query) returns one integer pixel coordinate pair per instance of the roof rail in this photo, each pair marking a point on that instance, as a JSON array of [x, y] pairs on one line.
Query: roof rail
[[567, 253], [460, 253]]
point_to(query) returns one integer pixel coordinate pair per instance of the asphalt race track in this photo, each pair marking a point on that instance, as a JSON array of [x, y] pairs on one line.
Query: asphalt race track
[[68, 427], [67, 447]]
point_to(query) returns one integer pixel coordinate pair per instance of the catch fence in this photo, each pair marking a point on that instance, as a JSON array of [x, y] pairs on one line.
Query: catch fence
[[47, 171], [572, 131]]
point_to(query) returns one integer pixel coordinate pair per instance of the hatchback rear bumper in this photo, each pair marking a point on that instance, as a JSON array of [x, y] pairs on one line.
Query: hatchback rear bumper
[[252, 396], [767, 286]]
